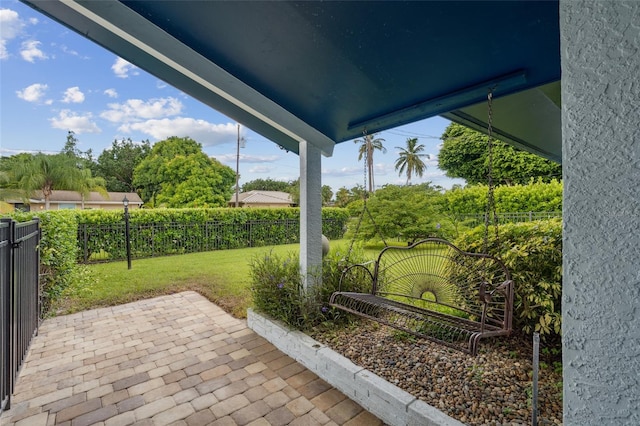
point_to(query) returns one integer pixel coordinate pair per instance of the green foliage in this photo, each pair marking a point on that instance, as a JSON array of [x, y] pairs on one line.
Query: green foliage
[[267, 184], [368, 145], [533, 197], [277, 289], [46, 173], [407, 213], [157, 232], [532, 252], [410, 159], [464, 155], [344, 196], [116, 164], [57, 251], [176, 173]]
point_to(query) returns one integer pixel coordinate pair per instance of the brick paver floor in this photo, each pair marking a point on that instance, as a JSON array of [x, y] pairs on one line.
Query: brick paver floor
[[178, 360]]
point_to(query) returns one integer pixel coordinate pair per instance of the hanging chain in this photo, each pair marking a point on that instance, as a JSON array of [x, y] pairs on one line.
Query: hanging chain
[[491, 205]]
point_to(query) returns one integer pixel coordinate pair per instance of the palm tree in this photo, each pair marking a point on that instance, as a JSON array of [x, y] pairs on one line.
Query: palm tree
[[369, 144], [46, 173], [410, 159]]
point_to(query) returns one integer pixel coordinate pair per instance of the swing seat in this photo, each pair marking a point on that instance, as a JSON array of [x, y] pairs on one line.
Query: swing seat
[[433, 290]]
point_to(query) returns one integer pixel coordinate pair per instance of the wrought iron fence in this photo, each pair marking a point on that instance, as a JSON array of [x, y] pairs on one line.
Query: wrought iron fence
[[104, 243], [478, 219], [20, 299]]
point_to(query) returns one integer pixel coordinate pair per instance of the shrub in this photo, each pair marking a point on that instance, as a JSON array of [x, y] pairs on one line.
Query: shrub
[[58, 249], [532, 252], [278, 291], [175, 231], [534, 197]]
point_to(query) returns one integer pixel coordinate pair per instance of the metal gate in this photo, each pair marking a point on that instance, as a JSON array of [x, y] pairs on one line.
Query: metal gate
[[19, 299]]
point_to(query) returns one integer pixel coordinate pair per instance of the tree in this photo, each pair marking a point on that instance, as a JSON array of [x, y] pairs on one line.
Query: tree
[[267, 184], [46, 173], [84, 159], [368, 145], [464, 155], [407, 213], [327, 194], [345, 196], [116, 164], [410, 159], [176, 173]]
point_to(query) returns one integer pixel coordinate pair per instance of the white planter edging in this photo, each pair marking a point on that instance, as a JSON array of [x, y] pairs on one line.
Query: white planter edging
[[386, 401]]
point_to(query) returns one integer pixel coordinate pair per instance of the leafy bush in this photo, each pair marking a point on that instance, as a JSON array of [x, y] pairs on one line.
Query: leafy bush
[[175, 231], [532, 252], [58, 249], [404, 213], [277, 289], [534, 197]]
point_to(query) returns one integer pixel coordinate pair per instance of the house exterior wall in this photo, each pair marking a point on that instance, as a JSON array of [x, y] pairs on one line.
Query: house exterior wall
[[600, 49], [66, 205]]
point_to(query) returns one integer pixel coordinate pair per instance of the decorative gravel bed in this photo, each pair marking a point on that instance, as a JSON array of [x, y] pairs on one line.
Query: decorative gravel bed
[[492, 388]]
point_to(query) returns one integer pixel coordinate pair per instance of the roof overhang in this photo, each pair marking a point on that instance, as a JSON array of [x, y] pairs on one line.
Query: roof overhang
[[325, 72]]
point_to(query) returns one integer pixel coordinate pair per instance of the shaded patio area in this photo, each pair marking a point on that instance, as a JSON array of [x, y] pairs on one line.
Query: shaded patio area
[[175, 359]]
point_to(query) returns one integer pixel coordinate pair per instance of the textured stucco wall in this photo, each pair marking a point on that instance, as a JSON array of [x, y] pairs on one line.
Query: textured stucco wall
[[600, 48]]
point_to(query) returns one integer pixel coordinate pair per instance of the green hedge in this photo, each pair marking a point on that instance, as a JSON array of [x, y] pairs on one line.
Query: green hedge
[[535, 197], [58, 251], [175, 231], [532, 252]]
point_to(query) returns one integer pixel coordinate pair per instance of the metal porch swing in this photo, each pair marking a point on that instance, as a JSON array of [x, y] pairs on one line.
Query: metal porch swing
[[432, 289]]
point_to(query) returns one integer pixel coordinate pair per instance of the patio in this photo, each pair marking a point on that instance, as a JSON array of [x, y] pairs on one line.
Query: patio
[[175, 359]]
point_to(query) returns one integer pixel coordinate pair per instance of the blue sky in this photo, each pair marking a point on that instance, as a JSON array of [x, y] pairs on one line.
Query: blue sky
[[54, 80]]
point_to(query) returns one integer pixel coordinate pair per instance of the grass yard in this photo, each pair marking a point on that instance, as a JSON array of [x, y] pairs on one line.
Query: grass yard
[[222, 276]]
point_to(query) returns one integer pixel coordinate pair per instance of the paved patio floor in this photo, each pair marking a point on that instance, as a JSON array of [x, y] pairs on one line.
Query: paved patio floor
[[178, 360]]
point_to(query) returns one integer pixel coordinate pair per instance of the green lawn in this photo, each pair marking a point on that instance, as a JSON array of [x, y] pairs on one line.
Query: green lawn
[[222, 276]]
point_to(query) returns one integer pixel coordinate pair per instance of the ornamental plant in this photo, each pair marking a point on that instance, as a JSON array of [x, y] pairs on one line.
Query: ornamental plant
[[532, 251], [277, 289]]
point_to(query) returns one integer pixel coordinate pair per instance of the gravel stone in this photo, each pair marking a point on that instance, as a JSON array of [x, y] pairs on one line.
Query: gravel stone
[[493, 388]]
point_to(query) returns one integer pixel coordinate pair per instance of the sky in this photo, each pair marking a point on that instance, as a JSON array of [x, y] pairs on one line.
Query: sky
[[54, 81]]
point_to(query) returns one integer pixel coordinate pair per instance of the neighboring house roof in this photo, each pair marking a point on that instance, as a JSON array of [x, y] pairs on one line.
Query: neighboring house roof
[[263, 197], [92, 198]]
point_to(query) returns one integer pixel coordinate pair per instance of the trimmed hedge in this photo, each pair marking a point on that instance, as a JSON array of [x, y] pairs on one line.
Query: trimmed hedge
[[534, 197], [175, 231], [532, 251], [58, 251]]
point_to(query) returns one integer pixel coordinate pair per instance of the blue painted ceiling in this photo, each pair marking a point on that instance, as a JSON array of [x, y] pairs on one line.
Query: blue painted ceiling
[[342, 68]]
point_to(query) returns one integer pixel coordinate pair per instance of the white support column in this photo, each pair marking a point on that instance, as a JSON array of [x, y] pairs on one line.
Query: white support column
[[600, 50], [310, 213]]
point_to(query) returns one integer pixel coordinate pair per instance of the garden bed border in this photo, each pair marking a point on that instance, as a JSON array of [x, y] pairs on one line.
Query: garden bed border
[[386, 401]]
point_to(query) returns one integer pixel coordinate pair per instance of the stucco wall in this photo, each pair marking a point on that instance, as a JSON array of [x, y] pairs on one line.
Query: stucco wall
[[600, 48]]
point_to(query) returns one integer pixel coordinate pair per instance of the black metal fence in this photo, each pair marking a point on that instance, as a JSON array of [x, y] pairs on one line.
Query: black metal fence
[[20, 299], [102, 243]]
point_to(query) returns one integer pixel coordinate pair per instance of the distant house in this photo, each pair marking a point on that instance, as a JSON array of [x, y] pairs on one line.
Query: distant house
[[262, 199], [61, 200]]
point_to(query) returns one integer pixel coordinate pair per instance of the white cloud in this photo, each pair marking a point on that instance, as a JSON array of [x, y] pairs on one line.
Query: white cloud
[[73, 95], [33, 93], [111, 93], [78, 123], [260, 169], [207, 134], [137, 109], [10, 27], [31, 51], [244, 158], [122, 68]]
